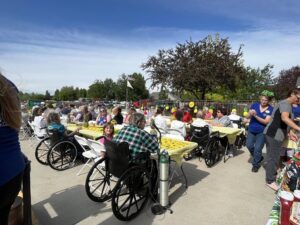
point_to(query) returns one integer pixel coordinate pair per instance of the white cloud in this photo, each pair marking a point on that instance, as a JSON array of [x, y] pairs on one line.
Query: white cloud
[[47, 60]]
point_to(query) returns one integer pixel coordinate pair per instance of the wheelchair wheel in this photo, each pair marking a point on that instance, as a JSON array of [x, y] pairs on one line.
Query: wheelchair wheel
[[98, 183], [62, 155], [131, 193], [41, 151], [211, 153]]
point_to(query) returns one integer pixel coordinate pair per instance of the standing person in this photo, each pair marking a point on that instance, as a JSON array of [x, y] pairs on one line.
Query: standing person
[[277, 129], [12, 162], [260, 115]]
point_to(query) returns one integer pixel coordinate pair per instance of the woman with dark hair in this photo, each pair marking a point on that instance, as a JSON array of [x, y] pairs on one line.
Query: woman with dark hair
[[260, 115], [12, 163], [280, 126], [222, 119], [117, 115]]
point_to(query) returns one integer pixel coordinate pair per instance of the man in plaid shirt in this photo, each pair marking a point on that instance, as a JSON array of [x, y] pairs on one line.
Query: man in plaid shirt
[[138, 139]]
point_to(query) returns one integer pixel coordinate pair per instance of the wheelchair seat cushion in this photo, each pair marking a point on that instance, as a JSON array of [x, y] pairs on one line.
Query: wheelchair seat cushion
[[118, 157]]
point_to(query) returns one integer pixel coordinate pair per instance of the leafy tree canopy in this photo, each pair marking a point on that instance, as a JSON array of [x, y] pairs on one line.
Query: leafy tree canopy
[[197, 67]]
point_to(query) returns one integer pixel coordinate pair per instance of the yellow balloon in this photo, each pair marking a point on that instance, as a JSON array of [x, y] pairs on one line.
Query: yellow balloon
[[233, 110], [191, 104], [173, 110], [245, 114], [195, 110], [167, 107], [211, 110]]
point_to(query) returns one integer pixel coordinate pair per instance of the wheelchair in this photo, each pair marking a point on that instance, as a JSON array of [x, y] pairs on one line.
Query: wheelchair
[[209, 146], [59, 152], [127, 183], [241, 139]]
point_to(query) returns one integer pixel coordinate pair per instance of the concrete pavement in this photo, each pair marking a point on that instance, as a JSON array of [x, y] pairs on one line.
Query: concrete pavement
[[226, 194]]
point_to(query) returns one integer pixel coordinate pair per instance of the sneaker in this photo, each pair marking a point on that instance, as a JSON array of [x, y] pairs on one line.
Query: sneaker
[[273, 186], [255, 169]]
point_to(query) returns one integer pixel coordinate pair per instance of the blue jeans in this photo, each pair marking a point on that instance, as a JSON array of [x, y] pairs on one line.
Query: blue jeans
[[255, 144]]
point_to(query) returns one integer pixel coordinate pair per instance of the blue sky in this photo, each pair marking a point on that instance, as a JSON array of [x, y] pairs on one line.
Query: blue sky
[[47, 44]]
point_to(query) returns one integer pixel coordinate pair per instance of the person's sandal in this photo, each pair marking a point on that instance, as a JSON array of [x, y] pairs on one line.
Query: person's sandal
[[273, 186]]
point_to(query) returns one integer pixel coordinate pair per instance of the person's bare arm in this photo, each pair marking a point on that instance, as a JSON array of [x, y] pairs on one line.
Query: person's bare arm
[[285, 118], [262, 120]]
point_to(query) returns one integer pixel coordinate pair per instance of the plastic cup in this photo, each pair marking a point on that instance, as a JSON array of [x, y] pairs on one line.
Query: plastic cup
[[297, 195], [286, 202]]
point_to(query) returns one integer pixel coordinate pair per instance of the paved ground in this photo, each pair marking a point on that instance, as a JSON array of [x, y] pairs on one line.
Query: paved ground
[[227, 194]]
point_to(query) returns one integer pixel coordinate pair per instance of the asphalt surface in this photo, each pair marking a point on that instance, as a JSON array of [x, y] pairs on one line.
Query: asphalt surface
[[226, 194]]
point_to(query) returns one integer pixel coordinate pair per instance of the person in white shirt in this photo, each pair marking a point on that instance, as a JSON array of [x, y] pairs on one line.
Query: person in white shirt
[[160, 121], [199, 122], [178, 124], [40, 123]]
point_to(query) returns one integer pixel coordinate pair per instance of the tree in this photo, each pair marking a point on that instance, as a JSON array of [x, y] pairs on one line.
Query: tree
[[197, 67], [56, 95], [67, 93], [253, 83], [96, 90], [47, 95], [138, 83], [286, 80]]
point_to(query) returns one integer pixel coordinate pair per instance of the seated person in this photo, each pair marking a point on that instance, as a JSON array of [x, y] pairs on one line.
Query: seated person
[[199, 122], [130, 112], [103, 117], [178, 124], [108, 132], [39, 122], [222, 119], [138, 139], [207, 114], [160, 121], [117, 115], [53, 121], [235, 119], [187, 117]]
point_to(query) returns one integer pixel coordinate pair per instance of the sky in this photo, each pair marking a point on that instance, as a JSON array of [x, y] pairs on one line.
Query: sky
[[45, 45]]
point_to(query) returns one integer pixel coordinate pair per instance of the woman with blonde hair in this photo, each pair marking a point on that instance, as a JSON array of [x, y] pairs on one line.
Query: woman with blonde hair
[[12, 162]]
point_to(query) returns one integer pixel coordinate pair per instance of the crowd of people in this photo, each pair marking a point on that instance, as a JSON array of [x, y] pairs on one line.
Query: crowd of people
[[267, 125]]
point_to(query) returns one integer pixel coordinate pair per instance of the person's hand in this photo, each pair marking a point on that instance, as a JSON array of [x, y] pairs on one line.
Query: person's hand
[[252, 112], [293, 136]]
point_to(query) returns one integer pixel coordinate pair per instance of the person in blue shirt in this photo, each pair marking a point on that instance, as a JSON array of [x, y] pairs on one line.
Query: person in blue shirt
[[260, 115], [12, 161]]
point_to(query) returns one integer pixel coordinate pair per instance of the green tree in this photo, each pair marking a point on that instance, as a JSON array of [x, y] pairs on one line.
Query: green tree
[[56, 95], [286, 80], [67, 93], [96, 90], [47, 95], [82, 93], [138, 83], [197, 67], [253, 83]]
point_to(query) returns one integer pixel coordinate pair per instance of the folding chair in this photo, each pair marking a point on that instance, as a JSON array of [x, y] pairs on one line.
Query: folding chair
[[88, 153]]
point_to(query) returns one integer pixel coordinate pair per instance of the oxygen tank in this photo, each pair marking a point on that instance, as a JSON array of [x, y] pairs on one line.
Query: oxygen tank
[[164, 179]]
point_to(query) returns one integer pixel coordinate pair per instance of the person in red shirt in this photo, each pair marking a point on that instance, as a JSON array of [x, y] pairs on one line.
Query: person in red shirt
[[187, 117]]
